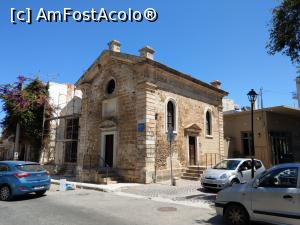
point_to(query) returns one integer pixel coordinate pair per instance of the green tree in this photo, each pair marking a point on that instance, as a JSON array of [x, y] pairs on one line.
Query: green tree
[[26, 102], [285, 30]]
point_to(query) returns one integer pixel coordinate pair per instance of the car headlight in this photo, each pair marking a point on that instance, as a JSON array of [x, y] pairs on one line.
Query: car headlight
[[224, 176]]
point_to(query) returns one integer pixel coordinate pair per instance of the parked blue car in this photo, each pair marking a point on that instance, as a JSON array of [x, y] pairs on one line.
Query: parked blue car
[[20, 177]]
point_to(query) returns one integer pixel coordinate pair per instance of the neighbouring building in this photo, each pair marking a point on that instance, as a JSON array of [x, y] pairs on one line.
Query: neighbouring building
[[61, 139], [276, 134], [129, 102], [229, 105]]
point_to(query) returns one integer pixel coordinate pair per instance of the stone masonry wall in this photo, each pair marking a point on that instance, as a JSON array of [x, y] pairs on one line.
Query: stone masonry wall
[[129, 157], [191, 106], [141, 93]]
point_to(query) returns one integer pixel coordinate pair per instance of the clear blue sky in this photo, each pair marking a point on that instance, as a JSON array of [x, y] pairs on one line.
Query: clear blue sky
[[209, 39]]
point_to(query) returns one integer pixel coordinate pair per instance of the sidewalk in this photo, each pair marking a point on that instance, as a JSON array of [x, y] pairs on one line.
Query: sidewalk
[[185, 192], [98, 187]]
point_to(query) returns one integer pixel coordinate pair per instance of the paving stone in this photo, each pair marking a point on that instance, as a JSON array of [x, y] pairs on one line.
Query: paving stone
[[184, 191]]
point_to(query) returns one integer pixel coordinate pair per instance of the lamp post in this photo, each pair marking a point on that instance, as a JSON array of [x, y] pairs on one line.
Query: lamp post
[[252, 95], [170, 138]]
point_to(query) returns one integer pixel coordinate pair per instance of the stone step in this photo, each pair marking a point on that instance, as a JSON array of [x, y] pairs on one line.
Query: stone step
[[190, 178], [109, 180], [108, 177], [109, 174], [198, 167], [191, 174], [193, 170], [112, 182]]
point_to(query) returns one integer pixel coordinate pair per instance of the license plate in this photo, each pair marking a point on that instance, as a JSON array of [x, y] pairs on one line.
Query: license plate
[[210, 181], [39, 187]]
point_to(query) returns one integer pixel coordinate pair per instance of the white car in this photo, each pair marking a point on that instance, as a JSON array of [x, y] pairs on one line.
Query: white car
[[272, 197], [230, 171]]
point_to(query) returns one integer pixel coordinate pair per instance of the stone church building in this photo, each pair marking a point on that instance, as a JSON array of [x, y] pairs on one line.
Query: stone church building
[[129, 102]]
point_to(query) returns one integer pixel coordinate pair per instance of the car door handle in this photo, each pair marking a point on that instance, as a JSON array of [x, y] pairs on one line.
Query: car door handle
[[287, 197]]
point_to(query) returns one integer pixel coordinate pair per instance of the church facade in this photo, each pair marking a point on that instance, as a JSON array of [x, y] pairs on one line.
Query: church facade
[[132, 104]]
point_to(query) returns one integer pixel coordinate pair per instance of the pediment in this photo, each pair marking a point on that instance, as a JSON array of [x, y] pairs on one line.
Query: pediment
[[194, 129], [107, 124]]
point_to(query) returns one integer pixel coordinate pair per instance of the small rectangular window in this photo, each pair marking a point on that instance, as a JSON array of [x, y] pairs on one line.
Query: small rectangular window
[[246, 139], [72, 127]]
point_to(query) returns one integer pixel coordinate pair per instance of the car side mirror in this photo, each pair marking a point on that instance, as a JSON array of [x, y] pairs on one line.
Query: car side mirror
[[256, 183], [275, 181]]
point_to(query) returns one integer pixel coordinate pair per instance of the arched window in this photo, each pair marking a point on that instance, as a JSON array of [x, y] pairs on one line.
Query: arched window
[[110, 88], [171, 115], [208, 125]]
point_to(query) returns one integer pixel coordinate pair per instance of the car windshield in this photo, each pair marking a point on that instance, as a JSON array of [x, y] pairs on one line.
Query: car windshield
[[227, 165], [30, 168]]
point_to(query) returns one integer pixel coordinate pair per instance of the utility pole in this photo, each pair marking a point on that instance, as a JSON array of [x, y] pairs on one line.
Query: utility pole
[[261, 98]]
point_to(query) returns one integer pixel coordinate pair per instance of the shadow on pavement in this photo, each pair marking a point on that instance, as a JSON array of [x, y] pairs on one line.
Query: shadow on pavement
[[210, 191], [218, 220], [215, 220], [205, 197], [209, 199], [26, 197]]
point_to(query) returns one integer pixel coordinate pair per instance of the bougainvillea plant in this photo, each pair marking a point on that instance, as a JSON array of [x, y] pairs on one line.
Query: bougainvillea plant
[[25, 102]]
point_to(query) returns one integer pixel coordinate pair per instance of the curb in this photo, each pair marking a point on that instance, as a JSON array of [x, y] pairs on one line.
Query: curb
[[85, 186]]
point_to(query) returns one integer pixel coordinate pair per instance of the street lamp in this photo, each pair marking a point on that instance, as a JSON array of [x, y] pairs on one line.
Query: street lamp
[[170, 138], [252, 95]]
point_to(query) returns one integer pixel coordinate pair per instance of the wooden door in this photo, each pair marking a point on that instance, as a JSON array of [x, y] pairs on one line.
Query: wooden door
[[192, 150], [109, 149]]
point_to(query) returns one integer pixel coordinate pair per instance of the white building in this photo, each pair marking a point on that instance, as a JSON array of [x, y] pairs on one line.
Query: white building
[[229, 105], [61, 143]]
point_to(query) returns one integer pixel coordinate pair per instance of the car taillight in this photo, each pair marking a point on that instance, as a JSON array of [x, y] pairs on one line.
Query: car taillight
[[22, 175]]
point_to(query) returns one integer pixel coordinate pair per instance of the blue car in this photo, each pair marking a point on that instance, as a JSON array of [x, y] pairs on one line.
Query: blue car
[[20, 177]]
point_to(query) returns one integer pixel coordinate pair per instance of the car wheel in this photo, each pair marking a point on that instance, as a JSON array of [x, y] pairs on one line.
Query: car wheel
[[5, 193], [236, 215], [40, 193], [234, 181]]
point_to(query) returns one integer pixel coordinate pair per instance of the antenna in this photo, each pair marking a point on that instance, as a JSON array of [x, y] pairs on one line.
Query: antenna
[[261, 98]]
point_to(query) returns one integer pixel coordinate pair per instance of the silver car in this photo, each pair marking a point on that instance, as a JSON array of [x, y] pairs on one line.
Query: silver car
[[230, 171], [272, 197]]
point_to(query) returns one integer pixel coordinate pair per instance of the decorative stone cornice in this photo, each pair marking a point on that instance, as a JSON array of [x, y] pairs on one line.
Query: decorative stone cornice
[[193, 129], [147, 86]]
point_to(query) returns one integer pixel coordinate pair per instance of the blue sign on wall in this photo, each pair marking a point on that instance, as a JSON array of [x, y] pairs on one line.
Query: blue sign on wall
[[141, 127]]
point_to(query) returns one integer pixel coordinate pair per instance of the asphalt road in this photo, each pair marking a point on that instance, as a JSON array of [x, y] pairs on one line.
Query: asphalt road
[[87, 207]]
